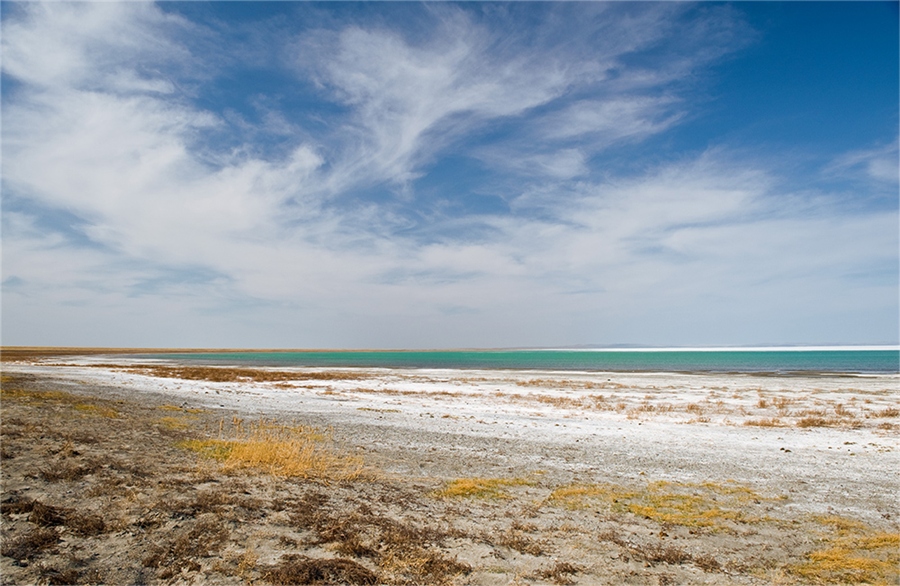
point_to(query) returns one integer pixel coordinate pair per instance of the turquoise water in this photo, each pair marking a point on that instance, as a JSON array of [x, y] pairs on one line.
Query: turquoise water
[[750, 361]]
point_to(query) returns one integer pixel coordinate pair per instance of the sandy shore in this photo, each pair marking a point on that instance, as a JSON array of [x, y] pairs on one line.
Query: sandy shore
[[470, 477]]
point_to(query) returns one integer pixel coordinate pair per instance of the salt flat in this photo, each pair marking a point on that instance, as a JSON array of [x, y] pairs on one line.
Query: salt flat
[[809, 447]]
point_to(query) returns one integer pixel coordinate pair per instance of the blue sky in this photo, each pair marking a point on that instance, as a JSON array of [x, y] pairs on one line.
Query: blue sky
[[401, 175]]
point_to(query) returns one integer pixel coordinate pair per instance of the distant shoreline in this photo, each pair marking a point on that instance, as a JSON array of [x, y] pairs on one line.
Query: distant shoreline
[[15, 351], [774, 360]]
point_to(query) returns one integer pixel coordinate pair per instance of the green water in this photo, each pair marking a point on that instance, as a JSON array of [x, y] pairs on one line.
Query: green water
[[749, 361]]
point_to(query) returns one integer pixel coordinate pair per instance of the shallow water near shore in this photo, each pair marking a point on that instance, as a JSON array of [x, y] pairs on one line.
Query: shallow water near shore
[[780, 361]]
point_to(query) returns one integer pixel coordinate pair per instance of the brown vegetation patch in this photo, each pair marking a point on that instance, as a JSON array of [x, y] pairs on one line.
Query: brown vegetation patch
[[16, 504], [227, 374], [60, 576], [560, 573], [30, 545], [405, 553], [707, 563], [518, 541], [67, 471], [47, 516], [819, 421], [202, 539], [765, 422], [653, 552], [297, 569]]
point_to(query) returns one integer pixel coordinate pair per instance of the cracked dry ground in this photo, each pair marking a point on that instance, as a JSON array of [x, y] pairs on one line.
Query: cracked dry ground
[[97, 489]]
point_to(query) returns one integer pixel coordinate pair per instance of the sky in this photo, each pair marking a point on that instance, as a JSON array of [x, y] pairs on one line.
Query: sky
[[439, 175]]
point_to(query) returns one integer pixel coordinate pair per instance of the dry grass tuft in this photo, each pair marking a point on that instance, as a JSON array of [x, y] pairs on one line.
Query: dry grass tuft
[[203, 539], [30, 545], [818, 421], [47, 515], [765, 422], [707, 504], [516, 540], [36, 397], [654, 552], [60, 576], [660, 553], [67, 472], [559, 573], [485, 488], [405, 554], [86, 525], [297, 569], [44, 515], [707, 563], [579, 496], [97, 410], [7, 392], [851, 553], [281, 450], [177, 423], [16, 504]]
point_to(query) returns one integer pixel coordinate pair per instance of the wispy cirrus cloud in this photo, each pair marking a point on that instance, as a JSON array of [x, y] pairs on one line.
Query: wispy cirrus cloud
[[881, 164], [401, 187]]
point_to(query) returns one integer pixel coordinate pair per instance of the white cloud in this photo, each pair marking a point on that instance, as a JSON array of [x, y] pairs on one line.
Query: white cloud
[[880, 164], [409, 101], [83, 45], [612, 119], [279, 247]]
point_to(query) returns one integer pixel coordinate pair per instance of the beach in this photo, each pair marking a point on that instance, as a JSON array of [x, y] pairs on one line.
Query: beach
[[461, 476]]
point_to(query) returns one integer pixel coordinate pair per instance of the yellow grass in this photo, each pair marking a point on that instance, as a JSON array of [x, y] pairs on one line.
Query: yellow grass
[[688, 504], [55, 397], [579, 496], [36, 396], [176, 422], [96, 410], [281, 450], [490, 488], [851, 553], [181, 409]]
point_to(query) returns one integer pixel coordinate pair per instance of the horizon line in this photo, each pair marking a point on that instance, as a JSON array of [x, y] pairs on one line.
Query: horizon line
[[612, 348]]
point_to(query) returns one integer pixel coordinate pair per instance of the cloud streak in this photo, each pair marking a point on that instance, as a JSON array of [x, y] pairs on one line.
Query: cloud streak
[[444, 189]]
